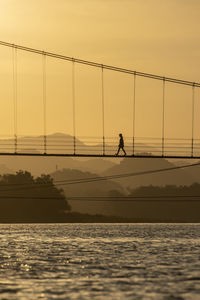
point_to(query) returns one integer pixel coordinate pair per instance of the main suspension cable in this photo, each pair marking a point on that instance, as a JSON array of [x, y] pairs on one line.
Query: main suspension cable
[[98, 65]]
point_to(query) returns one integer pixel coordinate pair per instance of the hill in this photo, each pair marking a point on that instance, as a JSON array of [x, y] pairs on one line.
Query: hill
[[40, 165], [90, 189], [175, 177]]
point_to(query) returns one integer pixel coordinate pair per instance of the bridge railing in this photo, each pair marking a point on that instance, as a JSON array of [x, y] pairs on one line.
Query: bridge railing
[[96, 146], [168, 147]]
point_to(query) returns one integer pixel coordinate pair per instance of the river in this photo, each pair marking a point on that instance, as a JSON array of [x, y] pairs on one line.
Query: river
[[100, 261]]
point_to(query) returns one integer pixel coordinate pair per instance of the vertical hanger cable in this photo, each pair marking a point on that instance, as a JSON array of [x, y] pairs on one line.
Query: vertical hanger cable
[[163, 118], [74, 107], [103, 110], [134, 87], [192, 144], [14, 60], [44, 102]]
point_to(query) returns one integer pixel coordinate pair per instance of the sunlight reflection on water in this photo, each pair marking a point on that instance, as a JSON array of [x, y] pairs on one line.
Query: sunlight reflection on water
[[96, 261]]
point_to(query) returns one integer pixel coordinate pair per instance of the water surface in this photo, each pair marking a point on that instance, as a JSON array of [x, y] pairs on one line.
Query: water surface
[[100, 261]]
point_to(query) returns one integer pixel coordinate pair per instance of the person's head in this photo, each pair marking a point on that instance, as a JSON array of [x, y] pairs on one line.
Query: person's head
[[120, 134]]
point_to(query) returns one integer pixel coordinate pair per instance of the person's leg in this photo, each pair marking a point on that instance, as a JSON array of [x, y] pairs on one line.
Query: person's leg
[[124, 151], [117, 151]]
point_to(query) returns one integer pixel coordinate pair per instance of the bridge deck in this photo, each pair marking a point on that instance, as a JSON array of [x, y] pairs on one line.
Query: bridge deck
[[100, 155]]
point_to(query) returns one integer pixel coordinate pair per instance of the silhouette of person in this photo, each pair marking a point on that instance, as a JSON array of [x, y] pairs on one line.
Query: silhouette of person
[[121, 145]]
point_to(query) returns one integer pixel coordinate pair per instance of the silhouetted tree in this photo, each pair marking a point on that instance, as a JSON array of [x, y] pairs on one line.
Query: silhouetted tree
[[24, 198]]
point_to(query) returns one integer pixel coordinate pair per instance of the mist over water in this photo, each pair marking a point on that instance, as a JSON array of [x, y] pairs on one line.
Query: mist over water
[[100, 261]]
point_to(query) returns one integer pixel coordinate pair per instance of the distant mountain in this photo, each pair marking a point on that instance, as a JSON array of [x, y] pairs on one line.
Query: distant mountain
[[38, 165], [44, 165], [90, 189], [52, 143], [175, 177]]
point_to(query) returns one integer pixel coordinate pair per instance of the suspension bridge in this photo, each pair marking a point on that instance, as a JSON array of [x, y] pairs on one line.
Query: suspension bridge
[[168, 144]]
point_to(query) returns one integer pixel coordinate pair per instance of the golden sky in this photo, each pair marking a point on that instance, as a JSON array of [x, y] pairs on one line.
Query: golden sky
[[155, 36]]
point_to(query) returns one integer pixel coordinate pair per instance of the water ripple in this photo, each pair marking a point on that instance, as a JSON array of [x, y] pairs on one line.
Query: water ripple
[[100, 261]]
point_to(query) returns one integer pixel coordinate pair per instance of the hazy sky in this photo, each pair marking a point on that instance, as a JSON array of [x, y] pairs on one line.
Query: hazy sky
[[156, 36]]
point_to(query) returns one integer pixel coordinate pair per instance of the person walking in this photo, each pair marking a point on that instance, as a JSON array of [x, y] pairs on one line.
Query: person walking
[[121, 145]]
